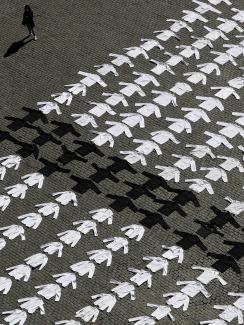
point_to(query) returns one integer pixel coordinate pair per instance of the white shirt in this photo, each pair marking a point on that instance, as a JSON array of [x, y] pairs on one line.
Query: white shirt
[[116, 243], [228, 25], [5, 285], [85, 119], [104, 301], [216, 2], [105, 69], [118, 128], [161, 311], [77, 88], [32, 304], [66, 279], [2, 243], [147, 109], [144, 79], [215, 174], [179, 125], [100, 109], [102, 215], [192, 16], [230, 312], [20, 272], [195, 114], [217, 139], [165, 34], [188, 51], [164, 98], [209, 67], [204, 7], [213, 322], [123, 289], [70, 237], [195, 77], [31, 220], [130, 89], [10, 161], [239, 16], [33, 179], [161, 67], [169, 172], [115, 98], [47, 209], [162, 136], [225, 92], [175, 59], [134, 231], [208, 275], [88, 314], [150, 44], [201, 42], [120, 59], [174, 252], [235, 207], [86, 226], [132, 119], [193, 288], [66, 197], [17, 190], [209, 103], [185, 162], [102, 138], [147, 147], [67, 322], [53, 247], [240, 119], [230, 130], [63, 97], [91, 79], [100, 256], [234, 50], [180, 88], [141, 276], [84, 267], [4, 202], [200, 151], [13, 231], [178, 25], [16, 316], [223, 58], [47, 107], [231, 163], [237, 82], [239, 303], [135, 51], [49, 291], [200, 185], [143, 320], [37, 260], [134, 156], [177, 300], [156, 264], [214, 34]]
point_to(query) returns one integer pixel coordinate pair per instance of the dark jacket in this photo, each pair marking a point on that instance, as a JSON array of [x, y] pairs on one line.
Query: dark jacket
[[28, 19]]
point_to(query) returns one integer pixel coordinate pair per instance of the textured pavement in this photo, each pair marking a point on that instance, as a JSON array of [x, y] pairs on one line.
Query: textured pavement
[[75, 36]]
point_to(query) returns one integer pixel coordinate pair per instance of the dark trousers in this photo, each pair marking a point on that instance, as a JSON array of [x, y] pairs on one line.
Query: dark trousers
[[31, 30]]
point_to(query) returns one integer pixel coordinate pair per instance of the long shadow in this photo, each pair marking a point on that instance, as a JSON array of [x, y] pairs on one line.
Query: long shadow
[[16, 46]]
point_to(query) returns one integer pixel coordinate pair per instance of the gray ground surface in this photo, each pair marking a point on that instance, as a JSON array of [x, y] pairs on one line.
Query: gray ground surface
[[75, 35]]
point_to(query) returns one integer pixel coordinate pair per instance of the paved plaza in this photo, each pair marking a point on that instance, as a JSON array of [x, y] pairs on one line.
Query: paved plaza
[[101, 168]]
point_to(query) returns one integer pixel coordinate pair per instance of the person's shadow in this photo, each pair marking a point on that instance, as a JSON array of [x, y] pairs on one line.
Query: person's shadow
[[14, 47]]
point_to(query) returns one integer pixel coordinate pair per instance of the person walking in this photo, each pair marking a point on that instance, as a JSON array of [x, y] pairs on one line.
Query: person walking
[[28, 21]]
